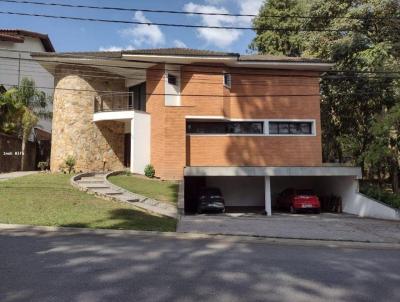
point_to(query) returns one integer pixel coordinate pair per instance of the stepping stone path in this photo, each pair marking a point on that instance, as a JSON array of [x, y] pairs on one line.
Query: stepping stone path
[[97, 184]]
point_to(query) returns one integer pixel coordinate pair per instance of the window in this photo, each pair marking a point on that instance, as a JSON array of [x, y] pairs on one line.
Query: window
[[224, 127], [172, 79], [291, 128], [227, 80], [137, 97]]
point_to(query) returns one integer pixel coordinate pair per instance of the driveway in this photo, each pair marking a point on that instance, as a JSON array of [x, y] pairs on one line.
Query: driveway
[[325, 226], [11, 175], [42, 266]]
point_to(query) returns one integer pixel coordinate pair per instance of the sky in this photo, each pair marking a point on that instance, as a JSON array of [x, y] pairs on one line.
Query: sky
[[69, 35]]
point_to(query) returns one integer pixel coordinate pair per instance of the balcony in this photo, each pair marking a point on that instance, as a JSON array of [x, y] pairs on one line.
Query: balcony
[[118, 106], [114, 101]]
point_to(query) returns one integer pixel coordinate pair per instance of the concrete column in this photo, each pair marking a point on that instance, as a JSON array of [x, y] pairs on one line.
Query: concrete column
[[268, 207], [132, 144]]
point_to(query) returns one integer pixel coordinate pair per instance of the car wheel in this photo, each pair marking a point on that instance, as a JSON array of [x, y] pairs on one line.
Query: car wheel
[[317, 211], [292, 210]]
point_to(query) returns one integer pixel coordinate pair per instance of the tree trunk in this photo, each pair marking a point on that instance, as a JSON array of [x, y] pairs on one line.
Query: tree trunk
[[395, 179], [23, 149]]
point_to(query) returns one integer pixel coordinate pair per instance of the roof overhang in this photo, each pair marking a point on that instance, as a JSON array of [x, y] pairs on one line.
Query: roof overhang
[[274, 171], [312, 66]]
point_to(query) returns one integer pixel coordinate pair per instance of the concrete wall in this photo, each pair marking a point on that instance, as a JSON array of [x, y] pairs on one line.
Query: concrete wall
[[354, 202], [28, 68], [140, 142], [240, 191]]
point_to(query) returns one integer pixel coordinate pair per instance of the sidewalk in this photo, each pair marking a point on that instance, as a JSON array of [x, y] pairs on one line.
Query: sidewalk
[[11, 175]]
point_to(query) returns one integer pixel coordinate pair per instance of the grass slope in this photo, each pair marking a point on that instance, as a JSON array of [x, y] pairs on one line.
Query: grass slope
[[153, 188], [49, 199]]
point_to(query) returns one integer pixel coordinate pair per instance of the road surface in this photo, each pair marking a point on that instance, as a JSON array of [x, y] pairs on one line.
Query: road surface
[[41, 266]]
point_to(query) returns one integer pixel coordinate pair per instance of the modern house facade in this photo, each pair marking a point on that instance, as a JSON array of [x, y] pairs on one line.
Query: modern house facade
[[16, 62], [249, 124]]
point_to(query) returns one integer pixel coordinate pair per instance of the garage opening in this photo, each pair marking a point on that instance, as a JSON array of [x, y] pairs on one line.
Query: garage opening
[[244, 194], [327, 188]]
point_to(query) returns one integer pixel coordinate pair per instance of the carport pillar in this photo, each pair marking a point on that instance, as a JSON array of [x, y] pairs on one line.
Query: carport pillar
[[268, 207]]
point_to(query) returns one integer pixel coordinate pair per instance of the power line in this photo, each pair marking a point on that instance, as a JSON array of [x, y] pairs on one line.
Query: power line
[[186, 12], [197, 95], [262, 28]]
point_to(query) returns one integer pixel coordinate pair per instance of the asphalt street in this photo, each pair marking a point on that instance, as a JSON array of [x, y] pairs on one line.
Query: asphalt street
[[41, 266]]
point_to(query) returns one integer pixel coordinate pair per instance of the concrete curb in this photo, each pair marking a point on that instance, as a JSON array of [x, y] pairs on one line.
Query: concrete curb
[[68, 231]]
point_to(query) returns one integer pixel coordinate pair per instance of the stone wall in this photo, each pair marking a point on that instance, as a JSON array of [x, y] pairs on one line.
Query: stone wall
[[74, 132]]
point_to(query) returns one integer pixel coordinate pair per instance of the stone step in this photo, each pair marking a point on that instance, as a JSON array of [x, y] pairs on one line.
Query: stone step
[[84, 181], [96, 185], [92, 178]]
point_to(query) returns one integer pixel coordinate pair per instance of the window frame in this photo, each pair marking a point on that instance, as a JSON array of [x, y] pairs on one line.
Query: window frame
[[170, 75], [265, 122], [227, 84], [288, 121], [226, 124]]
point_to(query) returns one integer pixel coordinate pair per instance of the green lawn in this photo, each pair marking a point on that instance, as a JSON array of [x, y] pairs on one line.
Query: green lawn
[[153, 188], [49, 199]]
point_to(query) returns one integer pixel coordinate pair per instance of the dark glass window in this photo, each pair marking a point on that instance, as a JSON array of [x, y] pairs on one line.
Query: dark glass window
[[172, 79], [137, 97], [292, 128], [227, 80], [225, 127]]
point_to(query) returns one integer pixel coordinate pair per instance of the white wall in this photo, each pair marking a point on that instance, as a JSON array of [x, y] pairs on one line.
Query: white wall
[[140, 142], [354, 202], [30, 69], [172, 92], [240, 190]]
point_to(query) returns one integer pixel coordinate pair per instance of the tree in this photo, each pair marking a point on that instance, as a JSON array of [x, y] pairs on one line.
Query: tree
[[384, 151], [27, 105], [288, 43]]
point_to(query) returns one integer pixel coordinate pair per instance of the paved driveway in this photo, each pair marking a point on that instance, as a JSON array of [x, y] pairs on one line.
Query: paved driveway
[[324, 226]]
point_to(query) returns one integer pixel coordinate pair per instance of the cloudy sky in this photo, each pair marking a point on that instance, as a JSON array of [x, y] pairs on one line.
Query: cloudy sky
[[79, 36]]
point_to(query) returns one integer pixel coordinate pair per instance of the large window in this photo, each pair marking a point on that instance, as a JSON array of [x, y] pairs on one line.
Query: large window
[[224, 127], [291, 128]]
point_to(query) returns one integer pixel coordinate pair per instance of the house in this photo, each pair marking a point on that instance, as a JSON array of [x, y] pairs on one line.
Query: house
[[248, 124], [16, 62]]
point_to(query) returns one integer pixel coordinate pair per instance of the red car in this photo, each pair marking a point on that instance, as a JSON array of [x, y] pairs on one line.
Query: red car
[[298, 200]]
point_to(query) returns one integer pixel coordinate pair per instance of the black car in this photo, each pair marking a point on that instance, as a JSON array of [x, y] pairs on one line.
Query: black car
[[210, 200]]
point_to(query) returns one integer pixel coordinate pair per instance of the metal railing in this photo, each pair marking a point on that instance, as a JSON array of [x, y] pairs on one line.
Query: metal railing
[[113, 101]]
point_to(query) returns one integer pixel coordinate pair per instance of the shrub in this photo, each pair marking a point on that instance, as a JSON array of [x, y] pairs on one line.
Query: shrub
[[380, 194], [149, 171], [43, 165], [70, 162]]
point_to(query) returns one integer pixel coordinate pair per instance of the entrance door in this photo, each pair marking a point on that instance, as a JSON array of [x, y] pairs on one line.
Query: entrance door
[[127, 151]]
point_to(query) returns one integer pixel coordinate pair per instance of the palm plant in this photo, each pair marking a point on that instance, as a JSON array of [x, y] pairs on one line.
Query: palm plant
[[25, 106]]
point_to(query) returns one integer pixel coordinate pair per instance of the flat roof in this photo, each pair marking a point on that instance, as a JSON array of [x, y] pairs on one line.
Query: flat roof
[[274, 171]]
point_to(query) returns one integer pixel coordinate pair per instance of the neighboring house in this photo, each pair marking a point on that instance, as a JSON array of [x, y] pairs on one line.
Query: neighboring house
[[248, 124], [16, 62]]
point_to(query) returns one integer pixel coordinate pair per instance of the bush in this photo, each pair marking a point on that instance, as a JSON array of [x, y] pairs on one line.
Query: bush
[[149, 171], [43, 165], [380, 194], [70, 162]]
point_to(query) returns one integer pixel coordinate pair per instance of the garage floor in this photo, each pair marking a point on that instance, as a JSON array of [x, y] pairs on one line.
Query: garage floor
[[325, 226]]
